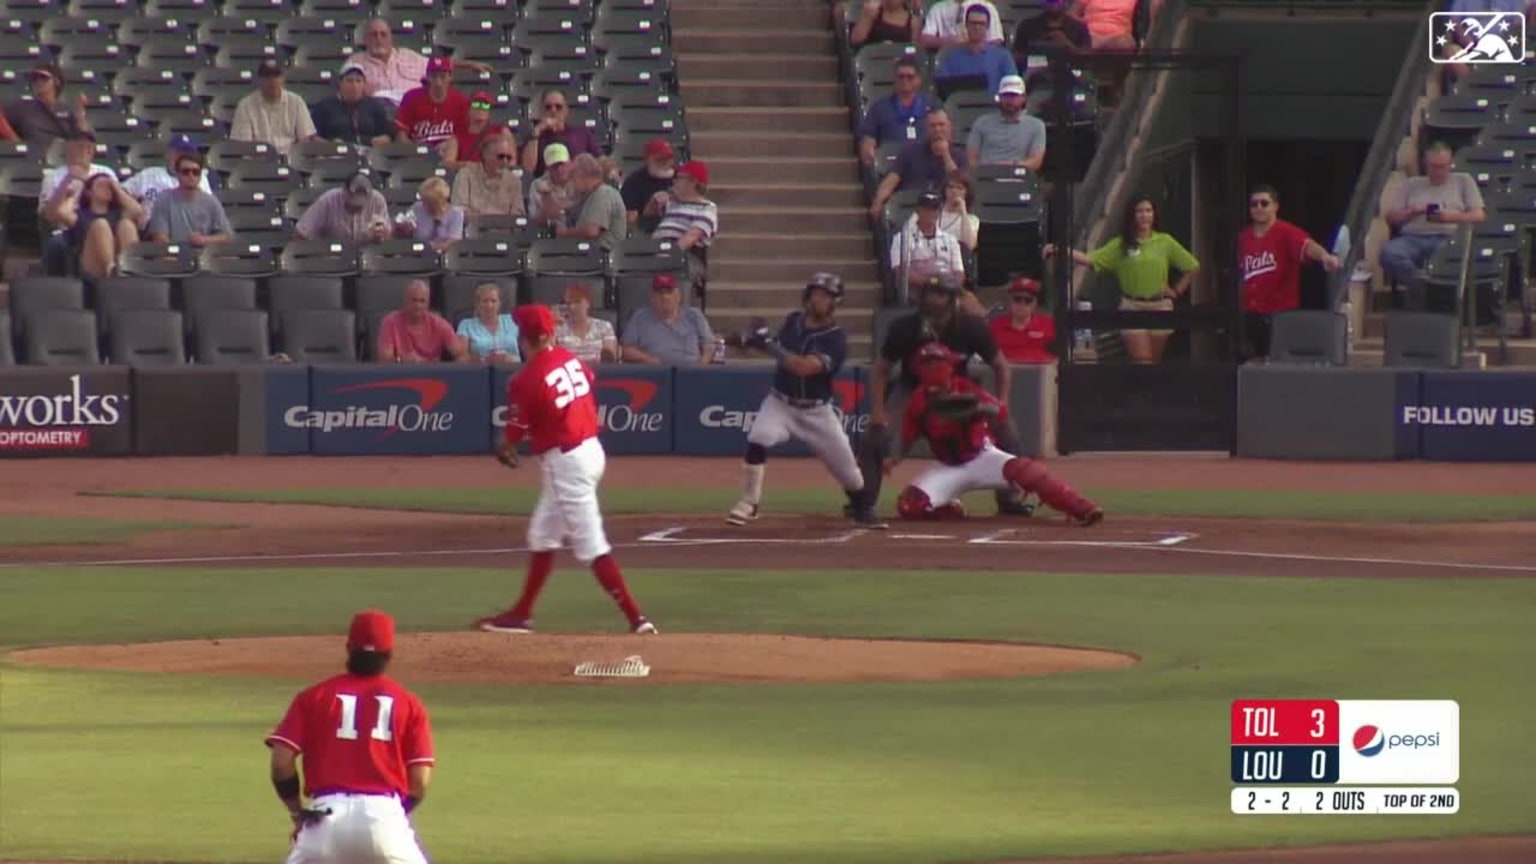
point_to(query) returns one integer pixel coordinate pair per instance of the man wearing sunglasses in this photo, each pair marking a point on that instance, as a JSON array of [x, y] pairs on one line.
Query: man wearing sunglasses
[[491, 186], [152, 182], [464, 147], [1271, 252], [1024, 334], [554, 127], [187, 214]]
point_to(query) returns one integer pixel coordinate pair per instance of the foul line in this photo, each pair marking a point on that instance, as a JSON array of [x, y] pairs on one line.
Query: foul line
[[232, 559], [995, 539], [1335, 559]]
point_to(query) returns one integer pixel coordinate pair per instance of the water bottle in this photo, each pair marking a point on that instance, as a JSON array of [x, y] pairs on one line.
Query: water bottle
[[1347, 309], [1083, 336], [719, 355]]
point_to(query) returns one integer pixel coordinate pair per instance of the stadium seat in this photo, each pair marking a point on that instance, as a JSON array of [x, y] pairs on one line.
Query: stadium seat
[[179, 8], [503, 9], [379, 293], [567, 256], [319, 335], [231, 337], [1456, 119], [31, 11], [220, 29], [7, 347], [1422, 339], [484, 256], [245, 52], [262, 175], [550, 290], [410, 173], [265, 11], [36, 293], [319, 258], [133, 82], [459, 294], [308, 156], [642, 255], [158, 260], [395, 10], [119, 293], [205, 292], [266, 229], [382, 160], [147, 337], [465, 30], [633, 290], [239, 257], [288, 292], [401, 257], [61, 337], [164, 51], [299, 200], [1309, 336], [105, 10]]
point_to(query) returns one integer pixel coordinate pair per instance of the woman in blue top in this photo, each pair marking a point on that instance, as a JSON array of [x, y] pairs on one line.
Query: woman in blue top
[[491, 335]]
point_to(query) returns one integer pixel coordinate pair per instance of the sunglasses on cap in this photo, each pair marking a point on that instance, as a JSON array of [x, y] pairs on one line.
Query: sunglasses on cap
[[480, 106]]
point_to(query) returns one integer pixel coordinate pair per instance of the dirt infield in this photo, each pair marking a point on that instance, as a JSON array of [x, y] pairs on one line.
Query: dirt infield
[[297, 535]]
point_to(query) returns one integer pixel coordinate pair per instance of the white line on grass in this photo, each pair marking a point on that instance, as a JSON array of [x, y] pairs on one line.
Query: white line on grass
[[1339, 559]]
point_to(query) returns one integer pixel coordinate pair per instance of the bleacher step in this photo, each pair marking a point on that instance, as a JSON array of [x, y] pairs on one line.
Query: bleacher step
[[856, 322], [809, 195], [787, 67], [737, 295], [768, 220], [764, 18], [748, 171], [788, 142], [789, 247], [686, 40], [743, 119], [766, 92], [790, 271]]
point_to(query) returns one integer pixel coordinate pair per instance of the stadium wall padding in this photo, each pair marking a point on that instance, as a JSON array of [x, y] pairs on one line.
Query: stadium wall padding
[[1298, 412]]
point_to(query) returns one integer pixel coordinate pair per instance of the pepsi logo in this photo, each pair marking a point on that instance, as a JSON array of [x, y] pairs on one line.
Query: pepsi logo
[[1369, 740]]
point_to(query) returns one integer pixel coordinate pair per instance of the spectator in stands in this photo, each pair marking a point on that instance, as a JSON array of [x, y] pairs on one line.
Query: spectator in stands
[[897, 117], [976, 55], [433, 218], [352, 116], [464, 147], [356, 214], [415, 334], [553, 128], [920, 250], [1270, 254], [887, 21], [923, 164], [1009, 137], [667, 333], [1111, 23], [99, 223], [392, 71], [645, 190], [44, 118], [1025, 334], [1427, 210], [272, 114], [599, 215], [591, 339], [436, 112], [1141, 259], [79, 163], [490, 335], [146, 185], [691, 220], [551, 196], [188, 214], [1051, 32], [944, 25], [491, 186], [956, 219]]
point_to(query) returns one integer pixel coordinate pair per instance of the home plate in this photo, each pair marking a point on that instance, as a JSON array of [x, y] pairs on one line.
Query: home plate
[[1142, 540]]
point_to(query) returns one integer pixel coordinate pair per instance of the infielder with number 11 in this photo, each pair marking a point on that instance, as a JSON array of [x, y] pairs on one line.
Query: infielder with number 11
[[810, 348]]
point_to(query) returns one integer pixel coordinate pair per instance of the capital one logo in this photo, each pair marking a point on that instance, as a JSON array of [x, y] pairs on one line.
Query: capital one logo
[[629, 414], [418, 415], [846, 394]]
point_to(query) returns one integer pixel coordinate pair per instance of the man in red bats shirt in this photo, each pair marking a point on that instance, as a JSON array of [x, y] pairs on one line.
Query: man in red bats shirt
[[1271, 252], [959, 421], [552, 403], [436, 112], [367, 748]]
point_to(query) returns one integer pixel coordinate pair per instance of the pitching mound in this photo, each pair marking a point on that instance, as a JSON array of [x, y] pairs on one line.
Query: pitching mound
[[685, 658]]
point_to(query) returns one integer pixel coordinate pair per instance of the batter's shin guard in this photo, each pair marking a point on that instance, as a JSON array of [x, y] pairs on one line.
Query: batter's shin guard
[[1031, 476]]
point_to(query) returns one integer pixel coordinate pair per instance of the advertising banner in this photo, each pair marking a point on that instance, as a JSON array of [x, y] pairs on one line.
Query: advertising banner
[[66, 411], [186, 411], [425, 410], [716, 405], [634, 407], [287, 390], [1474, 416]]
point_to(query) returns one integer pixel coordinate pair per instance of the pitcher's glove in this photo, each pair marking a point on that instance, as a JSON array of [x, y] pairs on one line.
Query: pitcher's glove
[[961, 407], [506, 454]]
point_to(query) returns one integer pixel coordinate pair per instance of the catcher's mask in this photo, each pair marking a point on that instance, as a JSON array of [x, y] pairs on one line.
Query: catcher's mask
[[935, 365], [828, 282]]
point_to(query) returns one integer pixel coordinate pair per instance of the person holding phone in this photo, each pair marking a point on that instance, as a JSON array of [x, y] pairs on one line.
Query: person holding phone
[[1425, 211]]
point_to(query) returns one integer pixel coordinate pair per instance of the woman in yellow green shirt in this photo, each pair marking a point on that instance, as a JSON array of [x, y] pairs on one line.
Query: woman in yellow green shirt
[[1141, 258]]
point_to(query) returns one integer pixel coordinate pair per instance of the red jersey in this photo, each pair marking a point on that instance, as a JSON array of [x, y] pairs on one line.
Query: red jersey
[[428, 122], [551, 401], [1032, 344], [1271, 267], [357, 735], [952, 443]]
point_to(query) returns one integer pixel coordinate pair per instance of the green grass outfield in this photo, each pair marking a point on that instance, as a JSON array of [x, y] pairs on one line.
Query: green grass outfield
[[128, 766], [1231, 503], [47, 530]]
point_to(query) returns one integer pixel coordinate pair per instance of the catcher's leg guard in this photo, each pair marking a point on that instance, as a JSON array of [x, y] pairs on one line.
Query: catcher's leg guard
[[913, 503], [1031, 476], [1010, 502]]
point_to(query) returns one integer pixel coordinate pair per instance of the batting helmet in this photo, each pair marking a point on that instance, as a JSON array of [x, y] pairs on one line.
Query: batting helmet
[[828, 282]]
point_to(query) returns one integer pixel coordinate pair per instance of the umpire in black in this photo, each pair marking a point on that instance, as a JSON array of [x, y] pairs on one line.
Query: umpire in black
[[938, 318]]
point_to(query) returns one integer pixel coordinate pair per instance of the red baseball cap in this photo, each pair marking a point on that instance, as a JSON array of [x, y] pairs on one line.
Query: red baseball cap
[[664, 282], [1024, 285], [438, 64], [371, 631], [698, 172], [659, 148], [534, 321]]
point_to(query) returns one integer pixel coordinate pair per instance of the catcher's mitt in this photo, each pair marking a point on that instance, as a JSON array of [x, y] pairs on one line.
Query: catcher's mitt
[[961, 407]]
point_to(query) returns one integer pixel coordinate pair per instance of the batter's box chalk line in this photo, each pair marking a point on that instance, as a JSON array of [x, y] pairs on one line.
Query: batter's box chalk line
[[1007, 537], [674, 536], [630, 667]]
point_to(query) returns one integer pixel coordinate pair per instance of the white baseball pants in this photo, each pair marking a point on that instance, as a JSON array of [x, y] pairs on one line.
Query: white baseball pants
[[362, 829], [945, 483], [568, 510], [819, 427]]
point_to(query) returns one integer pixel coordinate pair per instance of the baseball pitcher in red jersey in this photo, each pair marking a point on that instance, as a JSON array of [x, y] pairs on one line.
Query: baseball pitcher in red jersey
[[958, 419], [367, 749], [551, 402]]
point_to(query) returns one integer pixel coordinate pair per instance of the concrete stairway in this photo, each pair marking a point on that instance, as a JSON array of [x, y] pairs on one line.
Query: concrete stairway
[[766, 112]]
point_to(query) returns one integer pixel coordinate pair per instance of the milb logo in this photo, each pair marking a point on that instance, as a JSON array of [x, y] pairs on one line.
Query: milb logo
[[628, 415], [417, 417], [1371, 740]]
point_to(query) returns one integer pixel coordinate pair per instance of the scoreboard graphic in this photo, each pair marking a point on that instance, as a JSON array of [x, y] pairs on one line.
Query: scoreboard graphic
[[1340, 756]]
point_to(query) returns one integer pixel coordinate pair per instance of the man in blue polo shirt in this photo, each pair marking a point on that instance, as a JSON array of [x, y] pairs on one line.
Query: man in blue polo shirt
[[923, 164], [977, 56], [897, 117]]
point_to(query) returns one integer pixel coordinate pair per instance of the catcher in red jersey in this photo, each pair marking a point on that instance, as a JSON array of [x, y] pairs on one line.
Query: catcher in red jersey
[[960, 420], [551, 402], [367, 749]]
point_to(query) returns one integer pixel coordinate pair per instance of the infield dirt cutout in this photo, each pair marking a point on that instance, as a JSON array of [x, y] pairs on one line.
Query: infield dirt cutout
[[544, 658]]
